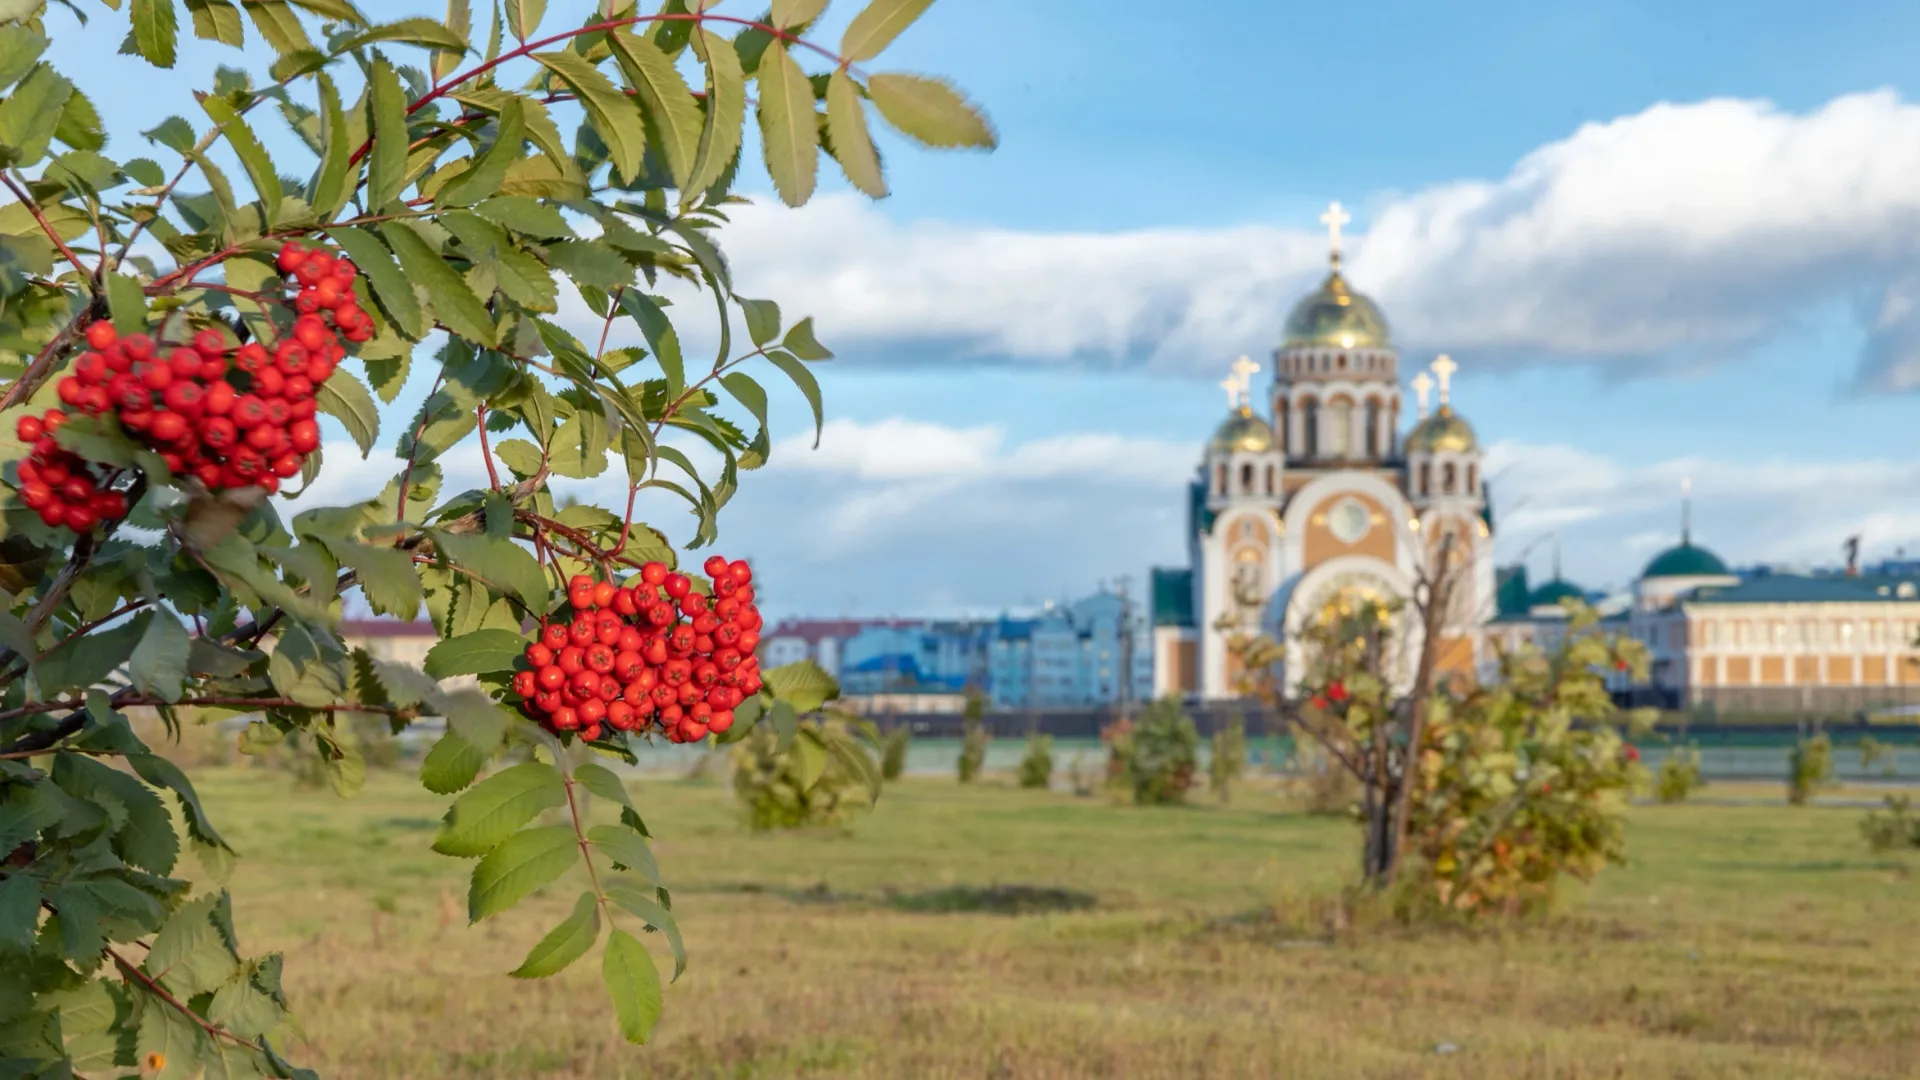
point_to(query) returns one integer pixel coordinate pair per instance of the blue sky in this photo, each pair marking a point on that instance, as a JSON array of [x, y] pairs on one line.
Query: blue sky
[[1662, 241]]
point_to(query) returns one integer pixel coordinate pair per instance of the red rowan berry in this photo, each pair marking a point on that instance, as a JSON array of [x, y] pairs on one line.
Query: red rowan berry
[[101, 334], [554, 635]]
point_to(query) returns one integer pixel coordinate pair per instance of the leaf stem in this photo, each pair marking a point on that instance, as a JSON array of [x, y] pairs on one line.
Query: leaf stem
[[26, 200]]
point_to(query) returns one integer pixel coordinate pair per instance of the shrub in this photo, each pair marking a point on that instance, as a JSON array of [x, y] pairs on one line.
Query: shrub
[[1154, 760], [1085, 781], [1809, 768], [973, 740], [1893, 827], [1320, 784], [1227, 758], [893, 752], [810, 774], [1679, 776], [1036, 768]]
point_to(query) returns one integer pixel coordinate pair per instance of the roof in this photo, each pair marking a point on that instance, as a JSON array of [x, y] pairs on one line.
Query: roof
[[1799, 589], [818, 630], [386, 628], [1445, 430], [1242, 432], [1511, 594], [1555, 591], [1199, 518], [1337, 317], [1172, 596], [1685, 560]]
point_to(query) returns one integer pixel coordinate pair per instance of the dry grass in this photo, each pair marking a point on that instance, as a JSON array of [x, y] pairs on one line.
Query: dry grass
[[1746, 941]]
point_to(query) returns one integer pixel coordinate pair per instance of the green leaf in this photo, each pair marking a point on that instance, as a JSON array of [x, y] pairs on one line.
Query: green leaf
[[490, 167], [601, 782], [479, 820], [332, 186], [19, 913], [451, 765], [627, 848], [478, 653], [193, 953], [809, 386], [579, 448], [20, 49], [591, 262], [809, 758], [763, 319], [387, 577], [789, 132], [852, 143], [337, 10], [155, 31], [564, 943], [387, 164], [127, 302], [613, 117], [31, 112], [661, 337], [875, 27], [525, 862], [523, 18], [642, 904], [634, 985], [253, 156], [802, 684], [474, 716], [413, 31], [801, 342], [454, 304], [343, 396], [217, 20], [159, 662], [460, 23], [788, 14], [672, 119], [726, 113], [389, 286], [930, 111], [500, 562], [524, 215], [82, 661], [162, 773]]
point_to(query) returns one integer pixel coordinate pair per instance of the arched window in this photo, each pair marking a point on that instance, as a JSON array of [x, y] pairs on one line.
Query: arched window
[[1373, 427], [1342, 365], [1426, 478], [1447, 478], [1310, 426], [1246, 479], [1282, 417], [1220, 479], [1269, 479], [1339, 431], [1472, 478]]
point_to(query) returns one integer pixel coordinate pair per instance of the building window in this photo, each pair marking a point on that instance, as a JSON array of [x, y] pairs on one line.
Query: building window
[[1472, 478], [1875, 634], [1310, 415], [1373, 427], [1246, 479], [1780, 635], [1220, 479], [1739, 633], [1709, 634], [1270, 484], [1447, 478], [1339, 429], [1846, 635], [1426, 477]]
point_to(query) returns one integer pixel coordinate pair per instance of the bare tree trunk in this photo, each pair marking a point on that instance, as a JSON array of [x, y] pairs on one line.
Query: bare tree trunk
[[1432, 608]]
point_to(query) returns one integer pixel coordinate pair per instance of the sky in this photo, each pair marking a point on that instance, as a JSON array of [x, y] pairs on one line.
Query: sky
[[1662, 242]]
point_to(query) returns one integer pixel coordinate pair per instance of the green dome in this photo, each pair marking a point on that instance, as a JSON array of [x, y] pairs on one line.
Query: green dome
[[1336, 317], [1550, 594], [1242, 432], [1444, 430], [1686, 560]]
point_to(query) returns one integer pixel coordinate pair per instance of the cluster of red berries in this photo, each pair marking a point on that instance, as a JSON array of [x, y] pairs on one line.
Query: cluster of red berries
[[653, 652], [1336, 693], [231, 417]]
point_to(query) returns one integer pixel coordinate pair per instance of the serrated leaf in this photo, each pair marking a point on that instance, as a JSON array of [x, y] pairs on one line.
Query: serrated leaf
[[338, 10], [809, 757], [77, 663], [414, 31], [159, 662], [662, 338], [801, 342], [386, 577], [591, 262], [193, 953], [156, 29], [490, 167], [333, 183], [634, 985], [930, 111], [30, 113], [642, 903], [253, 156], [808, 385], [877, 25], [564, 943], [763, 318], [852, 143], [217, 20], [672, 118], [387, 164], [627, 848], [344, 397], [474, 717], [524, 862], [500, 562], [523, 215], [451, 765], [127, 303], [726, 114], [478, 821], [601, 782], [390, 287], [789, 132], [802, 684], [579, 447], [478, 653], [788, 14], [19, 912], [460, 23], [612, 115], [20, 49], [162, 773], [523, 17], [454, 304]]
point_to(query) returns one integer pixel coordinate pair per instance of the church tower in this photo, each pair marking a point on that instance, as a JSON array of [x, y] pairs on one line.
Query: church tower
[[1240, 557]]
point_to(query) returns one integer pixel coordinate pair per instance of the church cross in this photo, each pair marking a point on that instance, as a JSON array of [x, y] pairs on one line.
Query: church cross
[[1231, 384], [1333, 219], [1422, 384], [1243, 370], [1444, 368]]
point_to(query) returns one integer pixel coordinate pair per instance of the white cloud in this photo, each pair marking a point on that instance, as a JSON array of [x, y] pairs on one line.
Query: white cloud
[[1697, 228]]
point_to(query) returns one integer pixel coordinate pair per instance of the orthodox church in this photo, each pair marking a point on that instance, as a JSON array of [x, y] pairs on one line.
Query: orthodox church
[[1319, 501]]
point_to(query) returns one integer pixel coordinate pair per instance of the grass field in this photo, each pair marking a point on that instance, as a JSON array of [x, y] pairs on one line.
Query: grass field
[[1745, 941]]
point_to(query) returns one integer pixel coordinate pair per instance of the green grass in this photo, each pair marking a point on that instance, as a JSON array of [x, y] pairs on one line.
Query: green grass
[[993, 932]]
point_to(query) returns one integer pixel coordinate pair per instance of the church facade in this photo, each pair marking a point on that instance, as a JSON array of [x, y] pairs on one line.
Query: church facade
[[1317, 500]]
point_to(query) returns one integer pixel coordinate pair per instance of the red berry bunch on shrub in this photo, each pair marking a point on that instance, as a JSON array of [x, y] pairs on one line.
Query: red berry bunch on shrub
[[230, 417], [651, 653]]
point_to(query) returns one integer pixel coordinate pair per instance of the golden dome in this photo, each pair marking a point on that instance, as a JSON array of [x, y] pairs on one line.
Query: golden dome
[[1242, 432], [1336, 317], [1443, 431]]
